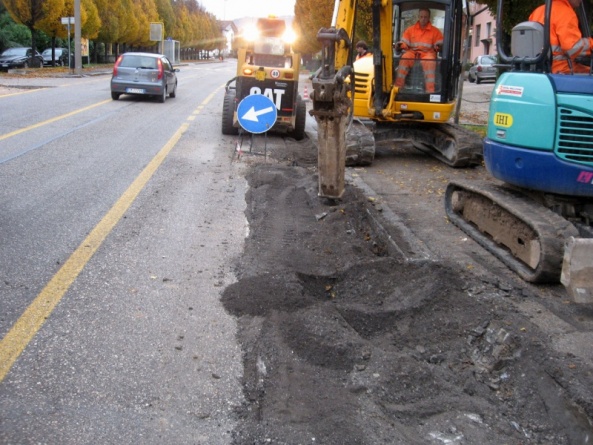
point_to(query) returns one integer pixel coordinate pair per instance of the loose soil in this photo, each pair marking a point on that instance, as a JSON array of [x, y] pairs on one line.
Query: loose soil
[[372, 320]]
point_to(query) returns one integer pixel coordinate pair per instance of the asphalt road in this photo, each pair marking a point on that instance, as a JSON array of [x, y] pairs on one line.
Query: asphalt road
[[119, 223]]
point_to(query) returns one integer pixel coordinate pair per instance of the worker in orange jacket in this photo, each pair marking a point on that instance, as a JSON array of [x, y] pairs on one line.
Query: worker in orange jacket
[[420, 41], [566, 39]]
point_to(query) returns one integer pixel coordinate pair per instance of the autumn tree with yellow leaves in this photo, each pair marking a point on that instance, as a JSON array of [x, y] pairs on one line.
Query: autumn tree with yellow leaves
[[312, 15], [120, 22]]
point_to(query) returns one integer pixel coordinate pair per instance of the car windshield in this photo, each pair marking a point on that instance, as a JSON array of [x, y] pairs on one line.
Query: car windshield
[[139, 62], [489, 60], [47, 52], [15, 52]]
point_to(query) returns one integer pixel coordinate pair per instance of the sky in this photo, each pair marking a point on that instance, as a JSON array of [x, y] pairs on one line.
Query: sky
[[236, 9]]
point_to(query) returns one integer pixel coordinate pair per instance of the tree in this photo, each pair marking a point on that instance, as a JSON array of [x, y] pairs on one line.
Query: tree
[[166, 14], [11, 33], [90, 21], [31, 12], [309, 17], [110, 24]]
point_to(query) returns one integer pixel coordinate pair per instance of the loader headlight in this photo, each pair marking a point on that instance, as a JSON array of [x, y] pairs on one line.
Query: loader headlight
[[289, 36]]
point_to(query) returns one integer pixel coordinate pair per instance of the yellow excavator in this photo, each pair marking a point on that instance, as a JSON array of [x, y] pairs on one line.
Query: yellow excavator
[[357, 104]]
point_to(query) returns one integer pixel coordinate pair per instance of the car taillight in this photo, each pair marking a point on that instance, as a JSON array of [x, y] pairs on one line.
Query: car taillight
[[161, 71], [480, 68], [116, 65]]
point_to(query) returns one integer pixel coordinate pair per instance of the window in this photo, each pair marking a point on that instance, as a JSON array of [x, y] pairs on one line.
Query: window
[[478, 31], [488, 30]]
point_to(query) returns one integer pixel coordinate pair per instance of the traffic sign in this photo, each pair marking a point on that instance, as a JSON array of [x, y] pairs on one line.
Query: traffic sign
[[256, 113], [67, 20]]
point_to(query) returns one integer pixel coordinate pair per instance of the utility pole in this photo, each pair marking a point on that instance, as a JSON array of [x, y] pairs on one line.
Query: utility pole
[[77, 39]]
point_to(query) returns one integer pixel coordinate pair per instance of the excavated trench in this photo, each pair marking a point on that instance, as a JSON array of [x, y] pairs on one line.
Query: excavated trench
[[345, 343]]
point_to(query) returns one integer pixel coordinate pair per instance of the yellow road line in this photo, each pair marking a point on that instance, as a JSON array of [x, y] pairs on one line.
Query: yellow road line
[[53, 119], [29, 323]]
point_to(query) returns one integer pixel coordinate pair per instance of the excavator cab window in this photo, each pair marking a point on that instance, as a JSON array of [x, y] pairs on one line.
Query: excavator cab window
[[416, 62]]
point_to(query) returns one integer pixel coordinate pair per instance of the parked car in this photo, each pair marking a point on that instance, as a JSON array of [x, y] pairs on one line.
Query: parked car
[[482, 69], [60, 57], [144, 74], [20, 58]]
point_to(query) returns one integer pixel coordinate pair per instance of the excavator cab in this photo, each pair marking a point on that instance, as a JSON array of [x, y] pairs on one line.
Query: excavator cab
[[430, 78], [406, 15]]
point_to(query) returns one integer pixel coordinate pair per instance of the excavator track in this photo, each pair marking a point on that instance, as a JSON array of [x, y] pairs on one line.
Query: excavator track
[[526, 236], [360, 145], [449, 143]]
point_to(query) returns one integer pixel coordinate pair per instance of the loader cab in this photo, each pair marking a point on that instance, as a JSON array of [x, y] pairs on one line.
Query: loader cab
[[268, 44]]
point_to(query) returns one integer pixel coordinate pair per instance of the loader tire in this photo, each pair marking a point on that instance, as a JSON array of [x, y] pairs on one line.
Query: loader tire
[[300, 119], [228, 111]]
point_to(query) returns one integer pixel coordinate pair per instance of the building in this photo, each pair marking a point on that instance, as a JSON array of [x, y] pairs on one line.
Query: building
[[229, 31], [483, 31]]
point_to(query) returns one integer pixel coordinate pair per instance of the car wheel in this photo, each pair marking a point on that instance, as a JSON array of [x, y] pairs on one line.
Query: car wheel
[[470, 78], [228, 111], [478, 81], [174, 92], [114, 96], [163, 96]]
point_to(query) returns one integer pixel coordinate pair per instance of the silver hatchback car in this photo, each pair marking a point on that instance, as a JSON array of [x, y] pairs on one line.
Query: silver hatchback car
[[482, 69], [144, 74]]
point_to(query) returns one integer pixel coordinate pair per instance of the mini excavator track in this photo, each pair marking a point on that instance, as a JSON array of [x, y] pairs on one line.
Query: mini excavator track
[[451, 144], [524, 235]]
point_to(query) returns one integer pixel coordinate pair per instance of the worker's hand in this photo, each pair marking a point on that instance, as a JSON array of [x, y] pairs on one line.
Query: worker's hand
[[438, 48]]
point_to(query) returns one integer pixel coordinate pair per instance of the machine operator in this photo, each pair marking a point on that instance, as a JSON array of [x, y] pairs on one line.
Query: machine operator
[[420, 41], [565, 36]]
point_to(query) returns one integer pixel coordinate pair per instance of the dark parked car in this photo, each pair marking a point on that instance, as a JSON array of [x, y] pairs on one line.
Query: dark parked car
[[20, 58], [144, 74], [60, 56], [482, 69]]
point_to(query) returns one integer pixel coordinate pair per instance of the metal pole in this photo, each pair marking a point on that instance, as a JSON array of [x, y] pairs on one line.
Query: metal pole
[[77, 38], [69, 47]]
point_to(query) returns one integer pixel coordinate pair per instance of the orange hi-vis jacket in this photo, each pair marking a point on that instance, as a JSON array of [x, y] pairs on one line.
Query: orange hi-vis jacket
[[420, 39], [566, 39], [418, 42]]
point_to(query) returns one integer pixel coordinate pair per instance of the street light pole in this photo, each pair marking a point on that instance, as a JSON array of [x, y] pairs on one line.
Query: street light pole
[[77, 38]]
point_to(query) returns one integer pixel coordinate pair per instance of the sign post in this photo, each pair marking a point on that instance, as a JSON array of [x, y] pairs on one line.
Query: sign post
[[257, 114], [68, 21]]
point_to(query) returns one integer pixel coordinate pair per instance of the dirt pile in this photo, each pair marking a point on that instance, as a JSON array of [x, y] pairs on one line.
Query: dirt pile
[[345, 344]]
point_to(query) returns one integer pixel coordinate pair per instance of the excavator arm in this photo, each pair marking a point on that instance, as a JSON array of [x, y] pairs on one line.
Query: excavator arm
[[355, 107], [333, 87]]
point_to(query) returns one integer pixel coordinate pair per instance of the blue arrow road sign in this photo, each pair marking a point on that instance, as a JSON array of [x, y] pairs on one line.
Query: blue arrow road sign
[[256, 113]]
